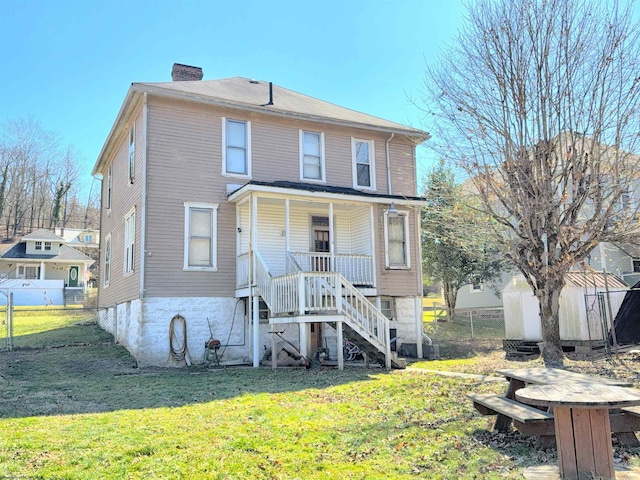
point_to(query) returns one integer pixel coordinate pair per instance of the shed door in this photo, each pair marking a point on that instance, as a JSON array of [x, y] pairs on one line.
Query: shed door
[[531, 317], [73, 276]]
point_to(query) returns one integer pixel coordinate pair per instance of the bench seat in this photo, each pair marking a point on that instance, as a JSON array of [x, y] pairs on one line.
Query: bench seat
[[496, 404]]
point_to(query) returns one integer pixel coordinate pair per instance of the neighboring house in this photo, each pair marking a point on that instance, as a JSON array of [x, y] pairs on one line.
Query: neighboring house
[[85, 238], [87, 241], [245, 208], [42, 270]]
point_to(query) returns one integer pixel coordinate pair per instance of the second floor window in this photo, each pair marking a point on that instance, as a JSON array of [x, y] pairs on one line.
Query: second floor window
[[132, 152], [236, 149], [107, 260], [38, 245], [311, 156], [47, 245], [129, 241], [363, 164]]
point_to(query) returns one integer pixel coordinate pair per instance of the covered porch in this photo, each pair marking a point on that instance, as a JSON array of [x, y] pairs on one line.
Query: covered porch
[[297, 234]]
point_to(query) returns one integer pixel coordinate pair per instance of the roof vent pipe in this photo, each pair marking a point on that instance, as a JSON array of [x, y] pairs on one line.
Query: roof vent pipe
[[270, 96]]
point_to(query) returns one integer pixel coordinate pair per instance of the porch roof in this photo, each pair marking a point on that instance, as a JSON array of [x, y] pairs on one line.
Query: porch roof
[[282, 187]]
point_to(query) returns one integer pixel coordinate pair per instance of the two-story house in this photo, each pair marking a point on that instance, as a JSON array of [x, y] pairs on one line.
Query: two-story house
[[242, 208]]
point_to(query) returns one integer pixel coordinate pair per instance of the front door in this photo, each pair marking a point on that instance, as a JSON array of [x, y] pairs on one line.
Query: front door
[[321, 263], [321, 245], [73, 276]]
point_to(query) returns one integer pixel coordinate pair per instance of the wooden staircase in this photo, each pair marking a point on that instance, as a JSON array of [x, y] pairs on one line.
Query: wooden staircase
[[372, 352], [325, 295]]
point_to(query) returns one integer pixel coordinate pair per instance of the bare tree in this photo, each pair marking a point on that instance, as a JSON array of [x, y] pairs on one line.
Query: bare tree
[[538, 102]]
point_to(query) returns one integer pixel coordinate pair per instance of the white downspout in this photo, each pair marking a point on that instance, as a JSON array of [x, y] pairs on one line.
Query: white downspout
[[389, 162], [143, 206], [418, 299]]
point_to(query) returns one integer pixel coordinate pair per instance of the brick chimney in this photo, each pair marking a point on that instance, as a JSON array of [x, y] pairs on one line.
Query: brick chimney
[[180, 73]]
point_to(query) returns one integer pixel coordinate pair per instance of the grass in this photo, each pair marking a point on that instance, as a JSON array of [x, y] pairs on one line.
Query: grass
[[35, 327], [84, 412]]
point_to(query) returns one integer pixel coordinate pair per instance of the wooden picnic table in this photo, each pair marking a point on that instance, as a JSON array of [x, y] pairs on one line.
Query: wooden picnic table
[[521, 377], [582, 425], [539, 420]]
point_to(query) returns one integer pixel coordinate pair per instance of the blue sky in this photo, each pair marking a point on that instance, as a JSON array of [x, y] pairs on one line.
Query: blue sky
[[68, 64]]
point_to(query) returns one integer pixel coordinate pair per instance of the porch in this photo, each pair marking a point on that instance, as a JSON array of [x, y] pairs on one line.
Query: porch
[[311, 252]]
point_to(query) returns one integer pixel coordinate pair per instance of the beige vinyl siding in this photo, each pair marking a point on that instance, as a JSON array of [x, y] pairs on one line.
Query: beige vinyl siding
[[124, 197], [397, 282], [403, 172], [270, 241], [184, 165], [275, 147], [361, 231]]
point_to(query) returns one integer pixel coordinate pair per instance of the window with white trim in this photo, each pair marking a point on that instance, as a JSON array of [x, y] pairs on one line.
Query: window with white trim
[[396, 235], [28, 272], [109, 185], [47, 245], [132, 152], [476, 287], [38, 245], [363, 164], [236, 147], [387, 307], [129, 242], [107, 261], [200, 236], [635, 265], [312, 156]]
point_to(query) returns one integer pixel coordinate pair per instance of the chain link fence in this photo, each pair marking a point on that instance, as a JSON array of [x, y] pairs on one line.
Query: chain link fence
[[465, 324], [40, 327]]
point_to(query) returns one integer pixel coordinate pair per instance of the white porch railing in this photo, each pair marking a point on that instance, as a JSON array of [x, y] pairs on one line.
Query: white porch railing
[[302, 293], [356, 268]]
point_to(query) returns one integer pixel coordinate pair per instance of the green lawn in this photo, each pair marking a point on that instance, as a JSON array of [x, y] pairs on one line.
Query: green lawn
[[84, 412], [35, 327]]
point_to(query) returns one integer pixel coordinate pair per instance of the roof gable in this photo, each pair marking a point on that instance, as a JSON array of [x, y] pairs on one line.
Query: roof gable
[[43, 235]]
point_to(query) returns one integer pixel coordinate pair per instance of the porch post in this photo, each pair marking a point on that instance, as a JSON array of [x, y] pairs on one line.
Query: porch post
[[274, 354], [373, 272], [303, 327], [41, 276], [332, 236], [340, 342], [254, 300], [287, 240], [418, 311], [418, 299], [256, 330]]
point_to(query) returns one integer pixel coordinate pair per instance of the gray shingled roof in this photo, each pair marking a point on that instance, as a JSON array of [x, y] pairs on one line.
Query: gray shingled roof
[[43, 235], [67, 254], [253, 94]]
